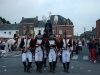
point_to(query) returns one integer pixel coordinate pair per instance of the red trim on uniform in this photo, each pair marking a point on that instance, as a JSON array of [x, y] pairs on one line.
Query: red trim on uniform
[[33, 39], [22, 39], [15, 42]]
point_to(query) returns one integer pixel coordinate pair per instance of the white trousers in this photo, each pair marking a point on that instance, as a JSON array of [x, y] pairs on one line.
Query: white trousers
[[45, 54], [3, 51], [65, 56], [38, 54], [52, 55], [27, 55]]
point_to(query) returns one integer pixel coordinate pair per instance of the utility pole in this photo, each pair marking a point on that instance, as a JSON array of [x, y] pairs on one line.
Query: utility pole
[[85, 34]]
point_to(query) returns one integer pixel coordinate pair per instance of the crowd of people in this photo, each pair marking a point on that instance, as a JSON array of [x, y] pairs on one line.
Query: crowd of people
[[3, 49], [51, 48], [3, 44], [94, 49]]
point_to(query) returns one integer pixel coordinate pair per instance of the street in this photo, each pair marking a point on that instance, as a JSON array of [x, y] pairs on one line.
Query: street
[[80, 65]]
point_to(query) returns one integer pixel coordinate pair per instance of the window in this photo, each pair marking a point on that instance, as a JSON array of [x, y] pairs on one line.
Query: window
[[24, 26], [66, 31], [24, 31], [60, 31], [9, 33], [69, 31], [31, 26], [54, 32], [4, 32]]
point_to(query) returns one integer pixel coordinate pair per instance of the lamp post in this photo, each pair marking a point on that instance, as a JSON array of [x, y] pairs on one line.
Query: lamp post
[[65, 31], [85, 34], [56, 20], [77, 35]]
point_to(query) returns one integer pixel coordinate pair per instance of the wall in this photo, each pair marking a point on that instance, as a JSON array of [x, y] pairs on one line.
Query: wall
[[36, 29], [7, 32]]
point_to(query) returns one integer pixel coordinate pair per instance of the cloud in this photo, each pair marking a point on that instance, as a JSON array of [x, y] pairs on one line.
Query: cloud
[[83, 13]]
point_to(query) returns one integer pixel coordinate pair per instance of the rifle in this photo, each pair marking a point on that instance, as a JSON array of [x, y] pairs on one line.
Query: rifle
[[27, 32]]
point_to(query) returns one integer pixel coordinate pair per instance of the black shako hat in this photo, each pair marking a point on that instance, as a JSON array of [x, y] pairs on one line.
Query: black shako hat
[[39, 33]]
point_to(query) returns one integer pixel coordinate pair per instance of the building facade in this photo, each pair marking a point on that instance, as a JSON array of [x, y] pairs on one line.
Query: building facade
[[27, 22], [98, 28], [9, 29], [63, 25]]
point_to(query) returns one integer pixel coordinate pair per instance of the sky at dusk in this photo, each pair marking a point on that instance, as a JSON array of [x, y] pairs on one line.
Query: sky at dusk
[[83, 13]]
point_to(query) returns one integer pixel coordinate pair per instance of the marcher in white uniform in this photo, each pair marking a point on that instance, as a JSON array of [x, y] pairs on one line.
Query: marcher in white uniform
[[39, 53], [26, 53], [65, 56], [45, 45], [52, 53]]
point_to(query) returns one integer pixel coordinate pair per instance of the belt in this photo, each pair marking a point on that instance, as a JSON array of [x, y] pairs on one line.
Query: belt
[[51, 47]]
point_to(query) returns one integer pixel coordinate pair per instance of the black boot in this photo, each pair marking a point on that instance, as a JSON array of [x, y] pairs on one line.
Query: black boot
[[54, 65], [45, 62], [50, 64], [68, 67], [28, 68], [24, 63], [40, 66], [64, 67], [60, 57], [37, 66]]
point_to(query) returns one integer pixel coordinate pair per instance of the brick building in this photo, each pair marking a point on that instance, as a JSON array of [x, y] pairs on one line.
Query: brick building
[[30, 22], [62, 25], [98, 28], [58, 29]]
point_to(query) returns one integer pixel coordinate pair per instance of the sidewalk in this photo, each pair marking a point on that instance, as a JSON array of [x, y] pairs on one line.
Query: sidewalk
[[13, 53]]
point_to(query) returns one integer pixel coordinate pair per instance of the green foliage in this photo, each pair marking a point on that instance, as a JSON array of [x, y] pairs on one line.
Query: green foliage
[[4, 20], [8, 22]]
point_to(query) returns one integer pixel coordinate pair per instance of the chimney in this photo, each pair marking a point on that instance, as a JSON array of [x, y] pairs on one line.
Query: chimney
[[22, 18], [92, 28], [68, 21], [15, 22], [37, 17]]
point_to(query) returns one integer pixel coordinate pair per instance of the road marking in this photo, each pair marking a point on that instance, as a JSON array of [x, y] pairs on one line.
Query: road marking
[[16, 55], [85, 57], [75, 57], [3, 66], [5, 70]]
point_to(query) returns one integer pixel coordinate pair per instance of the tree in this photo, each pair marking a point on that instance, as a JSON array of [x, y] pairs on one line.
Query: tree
[[4, 20], [8, 22]]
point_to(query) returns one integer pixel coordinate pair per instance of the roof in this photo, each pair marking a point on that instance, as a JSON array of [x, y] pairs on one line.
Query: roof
[[40, 24], [9, 27], [28, 20], [94, 32], [61, 20]]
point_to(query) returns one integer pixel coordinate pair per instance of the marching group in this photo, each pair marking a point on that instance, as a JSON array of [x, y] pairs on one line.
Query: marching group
[[50, 49], [42, 48]]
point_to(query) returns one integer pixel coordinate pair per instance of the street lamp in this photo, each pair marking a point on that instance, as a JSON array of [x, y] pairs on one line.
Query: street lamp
[[85, 33], [65, 31], [56, 20]]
